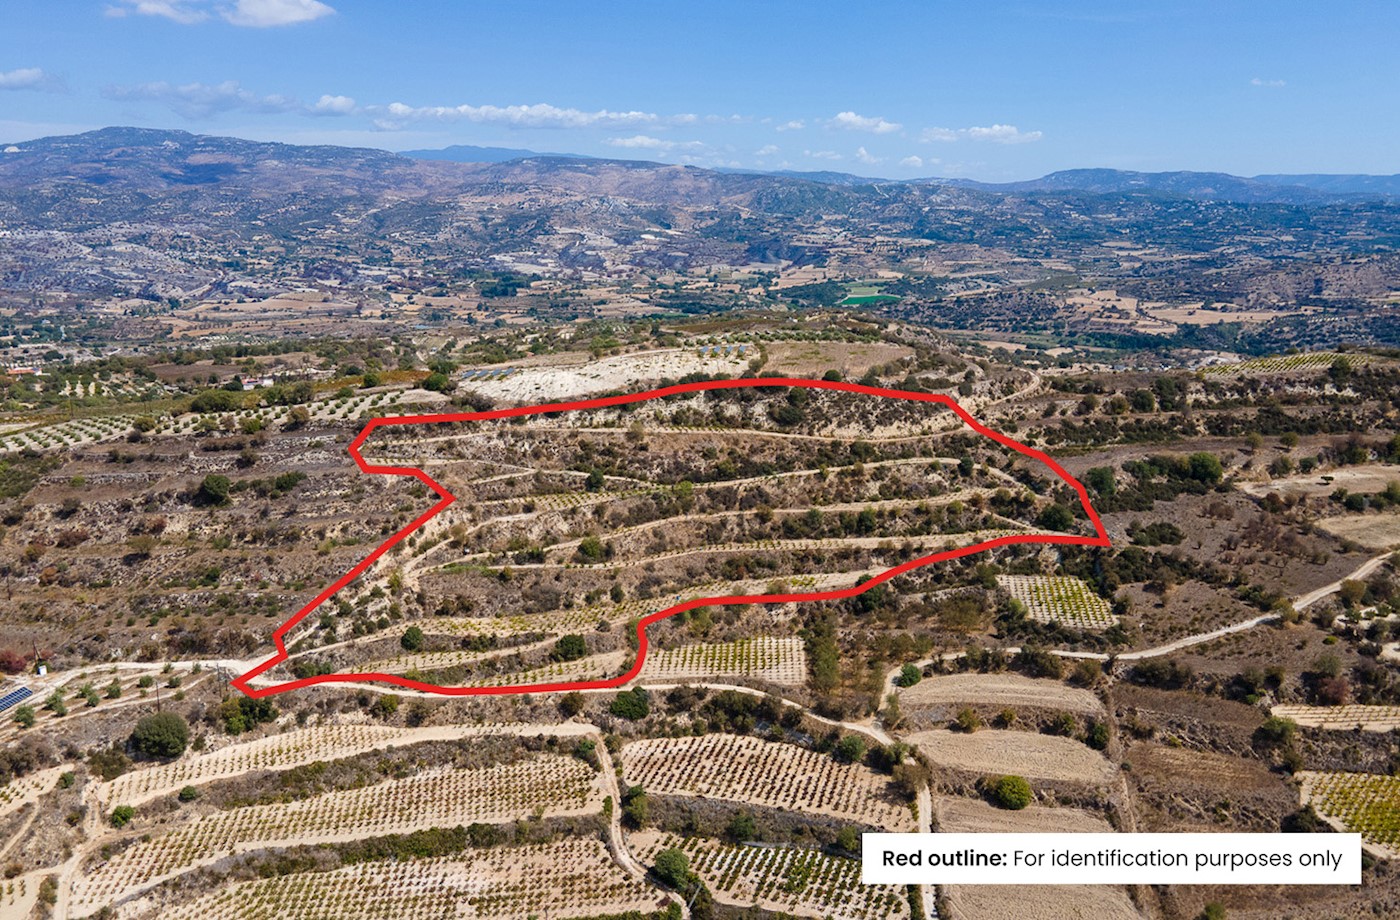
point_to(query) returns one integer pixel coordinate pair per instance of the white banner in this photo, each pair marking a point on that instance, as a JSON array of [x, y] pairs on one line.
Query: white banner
[[1111, 859]]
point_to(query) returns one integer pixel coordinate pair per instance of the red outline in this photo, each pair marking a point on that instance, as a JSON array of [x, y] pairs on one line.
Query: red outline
[[446, 498]]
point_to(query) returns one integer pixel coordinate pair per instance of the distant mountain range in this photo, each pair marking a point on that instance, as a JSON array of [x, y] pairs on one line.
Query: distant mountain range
[[466, 153], [78, 157], [1198, 186]]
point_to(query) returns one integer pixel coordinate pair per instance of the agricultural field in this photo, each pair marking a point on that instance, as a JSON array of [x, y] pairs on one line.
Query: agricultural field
[[1034, 756], [274, 752], [18, 793], [545, 785], [1040, 902], [1276, 364], [775, 660], [969, 816], [1059, 599], [1363, 803], [796, 881], [1341, 718], [997, 691], [771, 774], [568, 878], [568, 526]]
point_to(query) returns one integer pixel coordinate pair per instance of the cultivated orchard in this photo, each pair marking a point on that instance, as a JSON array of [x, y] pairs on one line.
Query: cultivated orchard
[[771, 774]]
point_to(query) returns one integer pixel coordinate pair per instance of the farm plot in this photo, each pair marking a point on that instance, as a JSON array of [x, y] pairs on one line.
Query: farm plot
[[1040, 902], [780, 661], [418, 662], [1281, 363], [15, 794], [275, 752], [1345, 718], [594, 667], [765, 773], [794, 880], [19, 895], [998, 690], [1034, 756], [554, 621], [69, 434], [569, 878], [1364, 803], [1059, 599], [547, 785], [969, 816]]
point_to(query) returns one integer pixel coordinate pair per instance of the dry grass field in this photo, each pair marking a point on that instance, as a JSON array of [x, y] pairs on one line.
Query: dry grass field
[[811, 359], [1041, 902], [1034, 756], [969, 816], [1373, 531], [998, 690]]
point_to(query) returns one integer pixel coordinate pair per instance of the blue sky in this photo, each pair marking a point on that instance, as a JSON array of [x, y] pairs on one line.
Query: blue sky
[[988, 90]]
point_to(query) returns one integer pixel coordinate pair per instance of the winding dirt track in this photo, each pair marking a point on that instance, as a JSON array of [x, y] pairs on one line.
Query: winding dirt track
[[245, 682]]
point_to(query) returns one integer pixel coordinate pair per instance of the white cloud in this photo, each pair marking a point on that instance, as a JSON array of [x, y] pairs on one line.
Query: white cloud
[[334, 105], [29, 78], [257, 14], [1271, 84], [181, 11], [200, 100], [864, 156], [795, 125], [539, 115], [996, 134], [639, 142], [646, 142], [767, 150], [823, 154], [853, 122], [912, 162], [260, 14]]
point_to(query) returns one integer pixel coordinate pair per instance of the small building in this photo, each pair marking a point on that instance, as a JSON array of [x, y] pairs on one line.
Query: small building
[[254, 383]]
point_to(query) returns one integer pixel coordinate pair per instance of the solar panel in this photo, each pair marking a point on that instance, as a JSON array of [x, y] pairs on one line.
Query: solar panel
[[15, 696]]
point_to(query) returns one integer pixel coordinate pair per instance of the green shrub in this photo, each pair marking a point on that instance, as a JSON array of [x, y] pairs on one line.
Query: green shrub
[[412, 639], [672, 867], [214, 490], [631, 704], [1011, 792], [570, 648], [162, 734]]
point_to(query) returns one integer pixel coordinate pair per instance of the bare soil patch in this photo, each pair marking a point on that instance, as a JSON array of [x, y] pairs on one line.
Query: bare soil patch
[[1374, 531]]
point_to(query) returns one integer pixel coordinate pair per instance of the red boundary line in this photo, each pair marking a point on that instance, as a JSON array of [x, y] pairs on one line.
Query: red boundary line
[[446, 498]]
